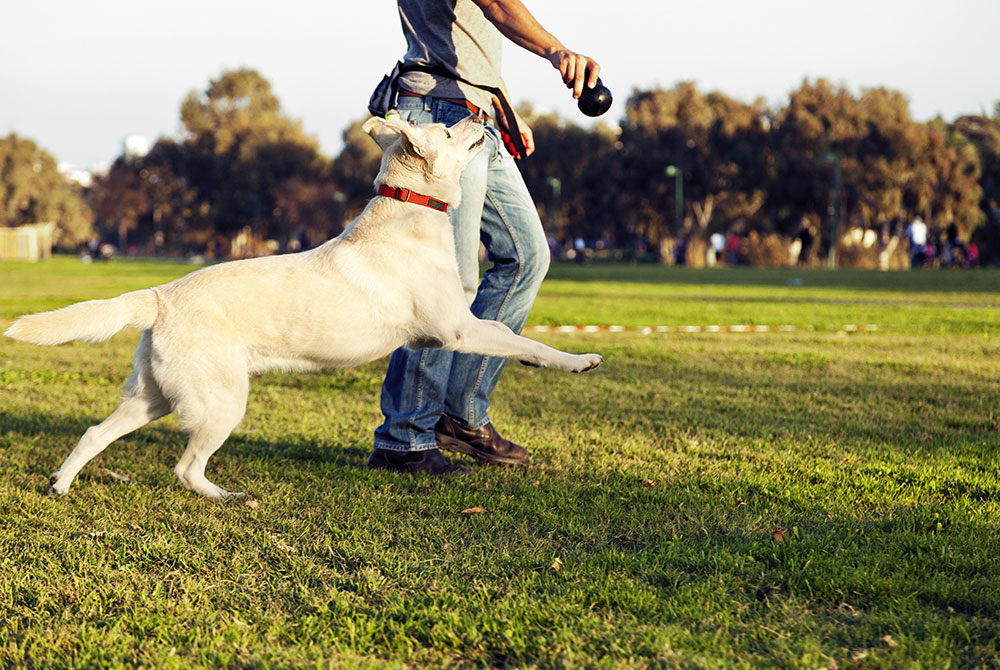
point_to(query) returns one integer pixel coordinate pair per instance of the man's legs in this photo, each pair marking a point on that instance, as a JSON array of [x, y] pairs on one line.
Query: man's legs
[[516, 246]]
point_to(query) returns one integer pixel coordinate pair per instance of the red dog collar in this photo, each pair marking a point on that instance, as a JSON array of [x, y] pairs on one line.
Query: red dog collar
[[406, 195]]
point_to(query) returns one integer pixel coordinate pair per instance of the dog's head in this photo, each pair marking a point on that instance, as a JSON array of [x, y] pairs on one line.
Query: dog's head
[[429, 156]]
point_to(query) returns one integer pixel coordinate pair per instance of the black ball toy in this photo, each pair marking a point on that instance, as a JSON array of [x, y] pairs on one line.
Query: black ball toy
[[595, 101]]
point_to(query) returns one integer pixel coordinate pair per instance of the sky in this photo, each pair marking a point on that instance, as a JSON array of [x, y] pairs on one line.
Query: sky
[[78, 77]]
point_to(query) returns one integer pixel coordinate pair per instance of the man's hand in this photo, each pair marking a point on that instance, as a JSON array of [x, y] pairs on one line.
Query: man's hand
[[527, 137], [578, 71]]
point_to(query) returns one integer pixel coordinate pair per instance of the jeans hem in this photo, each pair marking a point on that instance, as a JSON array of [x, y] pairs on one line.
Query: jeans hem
[[479, 424], [397, 446]]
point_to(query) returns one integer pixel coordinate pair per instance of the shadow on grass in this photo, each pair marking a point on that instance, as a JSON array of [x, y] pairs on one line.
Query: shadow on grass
[[51, 437], [699, 547]]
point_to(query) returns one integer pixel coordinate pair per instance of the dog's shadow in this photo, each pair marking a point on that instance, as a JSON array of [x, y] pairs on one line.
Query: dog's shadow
[[41, 441]]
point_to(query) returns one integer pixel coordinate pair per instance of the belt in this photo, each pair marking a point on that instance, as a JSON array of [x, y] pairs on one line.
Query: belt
[[457, 101]]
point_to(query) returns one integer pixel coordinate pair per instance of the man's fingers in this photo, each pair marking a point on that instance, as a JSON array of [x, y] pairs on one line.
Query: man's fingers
[[595, 71], [528, 139], [568, 70], [579, 74], [582, 73], [578, 71], [587, 70]]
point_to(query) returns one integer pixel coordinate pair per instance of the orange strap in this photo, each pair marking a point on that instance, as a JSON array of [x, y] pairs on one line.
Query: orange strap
[[406, 195]]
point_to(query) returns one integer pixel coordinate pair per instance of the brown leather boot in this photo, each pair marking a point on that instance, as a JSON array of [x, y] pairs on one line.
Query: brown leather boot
[[429, 462], [484, 444]]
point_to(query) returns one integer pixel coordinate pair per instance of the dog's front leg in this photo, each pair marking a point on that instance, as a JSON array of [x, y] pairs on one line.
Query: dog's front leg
[[492, 338]]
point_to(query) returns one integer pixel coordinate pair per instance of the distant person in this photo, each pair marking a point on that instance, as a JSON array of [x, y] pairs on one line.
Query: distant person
[[954, 248], [972, 255], [805, 238], [733, 249], [916, 235], [680, 252], [716, 248]]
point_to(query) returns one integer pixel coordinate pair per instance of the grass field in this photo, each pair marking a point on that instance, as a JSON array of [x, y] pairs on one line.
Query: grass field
[[792, 500]]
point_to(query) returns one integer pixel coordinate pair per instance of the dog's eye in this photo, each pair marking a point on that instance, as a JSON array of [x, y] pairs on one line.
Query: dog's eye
[[447, 133]]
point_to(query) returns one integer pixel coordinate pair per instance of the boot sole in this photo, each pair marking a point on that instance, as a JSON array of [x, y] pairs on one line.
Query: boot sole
[[386, 466], [452, 444]]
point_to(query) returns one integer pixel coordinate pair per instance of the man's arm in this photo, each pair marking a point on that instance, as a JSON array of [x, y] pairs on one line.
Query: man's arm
[[516, 23]]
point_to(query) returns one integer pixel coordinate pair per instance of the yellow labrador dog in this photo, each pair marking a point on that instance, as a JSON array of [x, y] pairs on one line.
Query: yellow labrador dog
[[389, 279]]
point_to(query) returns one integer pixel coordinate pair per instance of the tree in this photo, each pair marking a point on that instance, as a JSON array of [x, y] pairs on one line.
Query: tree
[[893, 168], [580, 203], [120, 198], [309, 212], [33, 191], [355, 168], [720, 145], [241, 163], [984, 133], [177, 215], [819, 120], [242, 148]]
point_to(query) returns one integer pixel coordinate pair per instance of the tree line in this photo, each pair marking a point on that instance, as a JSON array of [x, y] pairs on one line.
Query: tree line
[[244, 178]]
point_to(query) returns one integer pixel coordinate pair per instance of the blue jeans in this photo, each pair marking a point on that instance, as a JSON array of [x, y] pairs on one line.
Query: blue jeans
[[421, 384]]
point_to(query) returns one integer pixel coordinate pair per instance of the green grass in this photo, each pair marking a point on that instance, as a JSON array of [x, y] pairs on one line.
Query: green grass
[[657, 486]]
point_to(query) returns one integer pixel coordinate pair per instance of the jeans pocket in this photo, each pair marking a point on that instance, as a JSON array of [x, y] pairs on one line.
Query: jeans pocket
[[413, 110]]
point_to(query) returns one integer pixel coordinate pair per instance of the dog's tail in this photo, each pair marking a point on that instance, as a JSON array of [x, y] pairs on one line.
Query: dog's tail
[[91, 321]]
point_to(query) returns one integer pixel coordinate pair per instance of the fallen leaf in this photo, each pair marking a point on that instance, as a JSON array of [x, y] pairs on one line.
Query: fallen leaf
[[473, 510], [96, 533], [557, 564], [778, 534], [252, 504], [281, 544], [115, 475], [926, 437], [847, 608], [889, 641], [650, 483]]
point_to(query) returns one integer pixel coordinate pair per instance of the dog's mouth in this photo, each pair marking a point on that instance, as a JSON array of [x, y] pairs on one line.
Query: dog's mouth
[[478, 143]]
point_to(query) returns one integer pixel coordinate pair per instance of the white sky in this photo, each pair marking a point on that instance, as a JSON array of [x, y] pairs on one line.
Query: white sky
[[77, 77]]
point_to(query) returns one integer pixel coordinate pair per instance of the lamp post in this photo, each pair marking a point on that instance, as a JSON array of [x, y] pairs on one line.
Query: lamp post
[[341, 201], [556, 185], [834, 210], [678, 175]]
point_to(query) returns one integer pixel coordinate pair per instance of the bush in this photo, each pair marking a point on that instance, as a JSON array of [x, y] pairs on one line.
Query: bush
[[768, 251]]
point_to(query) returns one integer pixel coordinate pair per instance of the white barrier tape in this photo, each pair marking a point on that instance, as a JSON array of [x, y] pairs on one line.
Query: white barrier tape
[[739, 328]]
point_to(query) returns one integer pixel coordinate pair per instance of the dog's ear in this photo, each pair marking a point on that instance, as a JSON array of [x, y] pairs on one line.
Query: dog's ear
[[386, 131]]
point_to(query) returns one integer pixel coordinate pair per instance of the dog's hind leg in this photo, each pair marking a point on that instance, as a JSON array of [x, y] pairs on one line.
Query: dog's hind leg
[[211, 424], [142, 403], [134, 412]]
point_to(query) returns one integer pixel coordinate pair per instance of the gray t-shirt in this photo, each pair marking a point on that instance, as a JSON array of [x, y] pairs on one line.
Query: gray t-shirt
[[455, 35]]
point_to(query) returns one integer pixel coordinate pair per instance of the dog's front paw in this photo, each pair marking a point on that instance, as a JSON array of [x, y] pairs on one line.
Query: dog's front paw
[[587, 362]]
